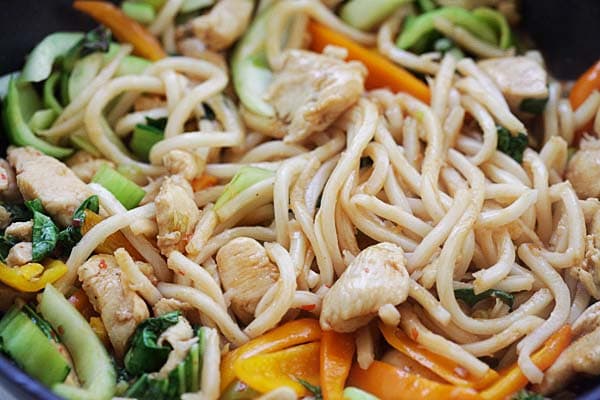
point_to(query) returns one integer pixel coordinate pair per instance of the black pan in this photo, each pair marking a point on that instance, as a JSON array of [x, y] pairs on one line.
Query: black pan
[[568, 31]]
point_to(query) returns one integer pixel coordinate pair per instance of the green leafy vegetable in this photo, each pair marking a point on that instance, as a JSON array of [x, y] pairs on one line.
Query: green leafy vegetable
[[315, 390], [470, 298], [511, 145], [243, 179], [143, 139], [533, 106], [18, 212], [95, 40], [71, 235], [6, 243], [44, 233], [145, 355], [527, 395], [157, 123]]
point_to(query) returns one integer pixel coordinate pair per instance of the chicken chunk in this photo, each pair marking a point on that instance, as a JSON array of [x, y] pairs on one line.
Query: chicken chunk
[[46, 178], [176, 214], [9, 191], [584, 169], [20, 230], [85, 165], [581, 357], [310, 91], [19, 254], [179, 162], [222, 26], [375, 278], [120, 308], [246, 274], [518, 78]]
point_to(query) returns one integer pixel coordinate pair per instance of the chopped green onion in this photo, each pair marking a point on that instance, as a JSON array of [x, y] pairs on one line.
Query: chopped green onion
[[141, 12], [533, 106], [126, 191], [498, 22], [142, 140], [245, 177], [42, 119], [511, 145], [366, 14]]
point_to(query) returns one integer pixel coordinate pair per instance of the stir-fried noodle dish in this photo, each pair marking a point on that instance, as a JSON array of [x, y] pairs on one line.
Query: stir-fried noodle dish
[[300, 199]]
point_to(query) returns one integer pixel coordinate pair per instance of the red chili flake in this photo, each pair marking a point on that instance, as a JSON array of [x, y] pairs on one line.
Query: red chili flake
[[181, 273], [367, 270], [308, 307], [3, 176], [414, 334], [102, 264], [60, 330]]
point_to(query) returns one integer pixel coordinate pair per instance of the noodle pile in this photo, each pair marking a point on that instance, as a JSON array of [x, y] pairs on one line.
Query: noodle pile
[[427, 178]]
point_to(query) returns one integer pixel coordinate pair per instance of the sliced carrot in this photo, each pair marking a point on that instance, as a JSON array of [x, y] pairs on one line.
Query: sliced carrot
[[204, 181], [390, 383], [512, 379], [80, 301], [124, 28], [382, 72], [585, 85], [447, 369], [337, 351]]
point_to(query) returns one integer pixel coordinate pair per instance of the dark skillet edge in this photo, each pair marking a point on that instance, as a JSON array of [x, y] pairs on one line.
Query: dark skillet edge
[[58, 15], [20, 385]]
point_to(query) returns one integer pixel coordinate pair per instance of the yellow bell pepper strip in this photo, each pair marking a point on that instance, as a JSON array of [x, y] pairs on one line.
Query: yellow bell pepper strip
[[266, 372], [390, 383], [124, 28], [585, 85], [287, 335], [113, 242], [32, 277], [382, 72], [447, 369], [337, 352], [100, 331], [512, 379]]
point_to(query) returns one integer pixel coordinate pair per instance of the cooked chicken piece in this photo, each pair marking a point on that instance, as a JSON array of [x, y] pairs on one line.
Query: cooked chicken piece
[[152, 189], [376, 277], [120, 308], [19, 254], [46, 178], [85, 165], [20, 230], [9, 191], [310, 91], [176, 214], [588, 271], [518, 78], [5, 217], [246, 274], [581, 357], [179, 162], [583, 170], [222, 25]]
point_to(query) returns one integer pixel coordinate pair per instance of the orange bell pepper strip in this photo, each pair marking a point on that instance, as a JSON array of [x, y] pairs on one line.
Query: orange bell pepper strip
[[32, 277], [512, 379], [204, 181], [111, 243], [266, 372], [124, 28], [442, 366], [337, 351], [390, 383], [287, 335], [382, 72], [585, 85]]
